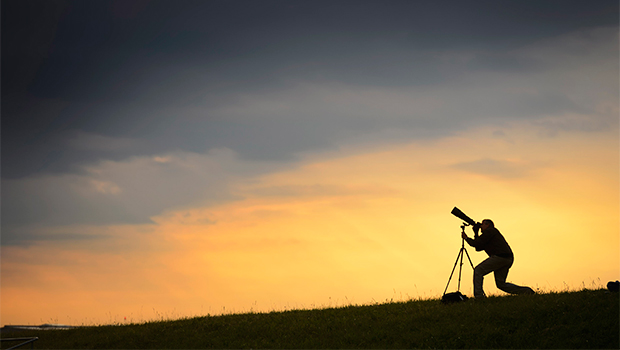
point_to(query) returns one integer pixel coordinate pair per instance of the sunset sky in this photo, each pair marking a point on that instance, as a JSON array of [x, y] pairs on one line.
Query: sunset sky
[[167, 159]]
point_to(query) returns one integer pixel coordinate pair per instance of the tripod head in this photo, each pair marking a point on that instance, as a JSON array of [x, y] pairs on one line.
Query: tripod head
[[463, 230]]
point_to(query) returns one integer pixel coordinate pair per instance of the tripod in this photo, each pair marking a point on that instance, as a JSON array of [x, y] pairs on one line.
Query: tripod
[[459, 257]]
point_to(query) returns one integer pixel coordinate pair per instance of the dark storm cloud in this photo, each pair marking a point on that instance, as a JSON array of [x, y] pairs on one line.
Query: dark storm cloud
[[128, 68], [116, 111]]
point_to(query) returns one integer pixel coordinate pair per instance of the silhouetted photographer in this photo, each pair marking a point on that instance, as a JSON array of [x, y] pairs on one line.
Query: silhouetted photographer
[[499, 261]]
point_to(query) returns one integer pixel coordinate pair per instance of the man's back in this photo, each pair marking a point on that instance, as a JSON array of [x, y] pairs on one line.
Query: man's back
[[492, 242]]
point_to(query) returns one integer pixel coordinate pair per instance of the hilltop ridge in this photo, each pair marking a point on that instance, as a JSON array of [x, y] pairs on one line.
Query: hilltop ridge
[[584, 319]]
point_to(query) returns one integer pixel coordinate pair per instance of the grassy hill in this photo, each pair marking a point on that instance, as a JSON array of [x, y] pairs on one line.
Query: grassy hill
[[584, 319]]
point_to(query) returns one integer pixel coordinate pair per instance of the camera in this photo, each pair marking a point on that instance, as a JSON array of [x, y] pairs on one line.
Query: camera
[[469, 221], [459, 214]]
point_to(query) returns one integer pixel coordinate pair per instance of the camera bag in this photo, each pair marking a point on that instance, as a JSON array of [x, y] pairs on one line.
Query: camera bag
[[453, 297]]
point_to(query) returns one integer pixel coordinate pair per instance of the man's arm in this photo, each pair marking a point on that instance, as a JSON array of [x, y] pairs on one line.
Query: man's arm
[[469, 241], [481, 241], [472, 242]]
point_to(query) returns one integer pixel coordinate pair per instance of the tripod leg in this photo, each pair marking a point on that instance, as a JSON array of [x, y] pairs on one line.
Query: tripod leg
[[460, 256], [458, 289], [468, 258]]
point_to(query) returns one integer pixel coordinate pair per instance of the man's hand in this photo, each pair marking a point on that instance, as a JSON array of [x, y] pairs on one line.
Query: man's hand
[[476, 228], [464, 235]]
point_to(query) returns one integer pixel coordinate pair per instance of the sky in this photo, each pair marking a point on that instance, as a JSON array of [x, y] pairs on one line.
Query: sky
[[168, 159]]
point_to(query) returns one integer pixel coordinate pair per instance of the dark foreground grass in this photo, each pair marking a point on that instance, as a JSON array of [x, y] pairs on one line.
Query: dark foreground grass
[[584, 319]]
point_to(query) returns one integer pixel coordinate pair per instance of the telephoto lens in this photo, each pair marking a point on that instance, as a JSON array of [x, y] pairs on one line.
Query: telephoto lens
[[459, 214]]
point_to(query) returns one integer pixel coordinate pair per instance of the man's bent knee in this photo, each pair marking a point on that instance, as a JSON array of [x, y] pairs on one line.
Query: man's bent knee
[[480, 271]]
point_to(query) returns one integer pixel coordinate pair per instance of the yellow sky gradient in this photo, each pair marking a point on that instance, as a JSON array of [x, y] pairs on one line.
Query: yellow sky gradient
[[353, 226]]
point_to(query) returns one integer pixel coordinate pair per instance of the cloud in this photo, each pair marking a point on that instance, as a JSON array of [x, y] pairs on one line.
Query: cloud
[[181, 132], [149, 158], [130, 191], [84, 141], [276, 103], [561, 82], [308, 114], [320, 190], [105, 187], [506, 169]]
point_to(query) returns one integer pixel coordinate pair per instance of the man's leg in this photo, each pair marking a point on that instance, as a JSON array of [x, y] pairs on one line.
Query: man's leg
[[500, 281], [492, 263]]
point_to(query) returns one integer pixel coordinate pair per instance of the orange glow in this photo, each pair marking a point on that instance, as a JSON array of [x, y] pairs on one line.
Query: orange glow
[[355, 226]]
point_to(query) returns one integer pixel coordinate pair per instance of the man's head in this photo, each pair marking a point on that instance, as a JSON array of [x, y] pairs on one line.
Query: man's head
[[486, 224]]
